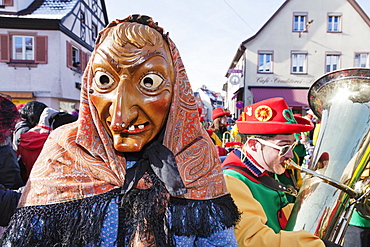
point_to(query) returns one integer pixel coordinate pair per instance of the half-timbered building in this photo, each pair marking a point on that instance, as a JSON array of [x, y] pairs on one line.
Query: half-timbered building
[[45, 46]]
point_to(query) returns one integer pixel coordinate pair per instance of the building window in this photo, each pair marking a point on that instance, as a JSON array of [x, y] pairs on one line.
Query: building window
[[334, 23], [94, 6], [299, 63], [76, 58], [299, 22], [332, 62], [23, 47], [94, 31], [265, 62], [362, 60], [82, 17]]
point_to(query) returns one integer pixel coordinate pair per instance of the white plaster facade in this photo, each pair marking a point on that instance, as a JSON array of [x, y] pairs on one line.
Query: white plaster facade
[[316, 43]]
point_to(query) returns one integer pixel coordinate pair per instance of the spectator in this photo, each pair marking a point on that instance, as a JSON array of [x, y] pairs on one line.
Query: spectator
[[30, 114], [9, 168], [32, 141], [10, 176], [220, 122]]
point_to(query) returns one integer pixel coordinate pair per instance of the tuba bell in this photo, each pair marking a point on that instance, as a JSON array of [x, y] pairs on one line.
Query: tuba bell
[[327, 197]]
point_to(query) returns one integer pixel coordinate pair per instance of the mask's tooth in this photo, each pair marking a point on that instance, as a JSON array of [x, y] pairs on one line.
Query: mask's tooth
[[141, 126], [131, 127]]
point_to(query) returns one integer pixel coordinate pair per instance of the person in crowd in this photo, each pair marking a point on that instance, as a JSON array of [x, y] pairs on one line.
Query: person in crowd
[[137, 168], [358, 231], [8, 203], [220, 122], [10, 176], [30, 114], [74, 112], [20, 105], [251, 176], [217, 129], [32, 141], [9, 168]]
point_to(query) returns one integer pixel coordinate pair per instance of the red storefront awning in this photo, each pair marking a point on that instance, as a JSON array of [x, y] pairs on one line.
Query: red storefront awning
[[293, 96]]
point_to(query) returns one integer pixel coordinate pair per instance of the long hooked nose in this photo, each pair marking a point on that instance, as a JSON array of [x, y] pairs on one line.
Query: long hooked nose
[[124, 111]]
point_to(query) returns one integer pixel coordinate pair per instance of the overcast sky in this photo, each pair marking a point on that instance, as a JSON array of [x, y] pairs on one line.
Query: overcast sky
[[206, 32]]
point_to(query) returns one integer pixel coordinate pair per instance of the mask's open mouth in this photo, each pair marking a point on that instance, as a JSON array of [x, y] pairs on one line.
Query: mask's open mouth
[[134, 129]]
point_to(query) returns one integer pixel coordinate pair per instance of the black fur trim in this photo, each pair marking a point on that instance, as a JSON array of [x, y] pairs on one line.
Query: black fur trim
[[74, 223], [202, 217]]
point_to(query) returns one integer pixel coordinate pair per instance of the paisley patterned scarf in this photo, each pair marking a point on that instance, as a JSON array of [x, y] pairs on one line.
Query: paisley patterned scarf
[[79, 161]]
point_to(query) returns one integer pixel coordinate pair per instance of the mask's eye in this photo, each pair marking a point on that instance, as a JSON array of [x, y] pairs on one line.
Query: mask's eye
[[151, 81], [103, 80]]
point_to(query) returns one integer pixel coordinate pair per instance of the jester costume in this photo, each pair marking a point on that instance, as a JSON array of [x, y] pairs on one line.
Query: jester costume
[[258, 193], [83, 192]]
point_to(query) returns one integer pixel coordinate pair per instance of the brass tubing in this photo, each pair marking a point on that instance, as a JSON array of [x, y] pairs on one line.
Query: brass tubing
[[351, 192]]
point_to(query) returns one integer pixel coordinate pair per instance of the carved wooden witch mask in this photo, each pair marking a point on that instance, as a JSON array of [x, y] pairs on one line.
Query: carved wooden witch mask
[[132, 85]]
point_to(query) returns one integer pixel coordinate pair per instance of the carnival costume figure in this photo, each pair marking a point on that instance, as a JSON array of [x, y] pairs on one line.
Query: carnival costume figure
[[251, 175], [137, 168]]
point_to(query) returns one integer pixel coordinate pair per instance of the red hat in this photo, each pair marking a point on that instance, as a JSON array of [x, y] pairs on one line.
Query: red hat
[[271, 116], [218, 112], [19, 106]]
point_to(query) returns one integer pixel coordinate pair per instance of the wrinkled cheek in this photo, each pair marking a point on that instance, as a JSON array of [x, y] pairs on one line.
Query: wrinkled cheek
[[161, 109], [97, 101], [100, 103], [102, 107]]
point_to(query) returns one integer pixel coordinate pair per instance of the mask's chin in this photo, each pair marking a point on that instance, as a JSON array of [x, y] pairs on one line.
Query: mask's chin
[[128, 144]]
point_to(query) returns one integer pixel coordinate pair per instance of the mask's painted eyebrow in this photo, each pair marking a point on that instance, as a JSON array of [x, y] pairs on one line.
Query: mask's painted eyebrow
[[134, 60], [143, 59], [105, 57]]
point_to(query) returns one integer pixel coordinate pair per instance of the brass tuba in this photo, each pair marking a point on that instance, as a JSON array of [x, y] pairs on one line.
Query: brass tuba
[[341, 99]]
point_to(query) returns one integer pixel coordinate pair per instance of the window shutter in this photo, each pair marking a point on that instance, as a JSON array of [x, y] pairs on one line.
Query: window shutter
[[4, 48], [84, 60], [41, 50], [88, 55], [69, 55], [8, 2], [81, 56]]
